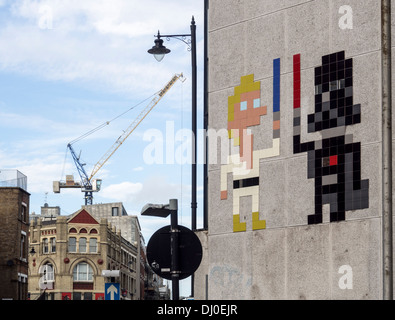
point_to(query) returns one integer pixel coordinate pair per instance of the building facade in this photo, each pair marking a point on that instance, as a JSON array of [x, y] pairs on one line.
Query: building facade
[[296, 186], [14, 228], [130, 228], [71, 254]]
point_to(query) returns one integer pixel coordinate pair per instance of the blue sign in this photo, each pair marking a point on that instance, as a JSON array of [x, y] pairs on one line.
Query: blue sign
[[111, 291]]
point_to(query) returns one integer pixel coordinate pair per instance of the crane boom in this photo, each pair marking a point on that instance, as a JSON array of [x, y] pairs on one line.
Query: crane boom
[[134, 125], [89, 185]]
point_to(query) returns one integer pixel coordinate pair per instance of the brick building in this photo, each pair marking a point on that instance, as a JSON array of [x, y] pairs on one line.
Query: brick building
[[71, 253], [14, 222]]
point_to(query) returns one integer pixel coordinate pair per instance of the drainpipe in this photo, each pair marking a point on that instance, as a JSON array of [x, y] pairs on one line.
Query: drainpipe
[[386, 149], [205, 119]]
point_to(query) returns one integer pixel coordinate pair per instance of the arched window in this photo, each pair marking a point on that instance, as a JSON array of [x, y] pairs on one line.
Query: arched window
[[48, 278], [83, 230], [83, 272], [48, 272], [93, 231], [73, 230]]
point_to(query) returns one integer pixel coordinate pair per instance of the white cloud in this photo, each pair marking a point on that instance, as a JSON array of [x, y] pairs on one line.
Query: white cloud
[[123, 191], [98, 42], [155, 189]]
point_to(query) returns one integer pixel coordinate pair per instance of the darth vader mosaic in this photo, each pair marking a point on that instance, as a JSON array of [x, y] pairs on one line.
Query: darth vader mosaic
[[334, 161]]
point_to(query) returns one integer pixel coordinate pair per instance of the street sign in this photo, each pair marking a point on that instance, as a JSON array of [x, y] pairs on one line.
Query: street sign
[[110, 273], [159, 252], [111, 291]]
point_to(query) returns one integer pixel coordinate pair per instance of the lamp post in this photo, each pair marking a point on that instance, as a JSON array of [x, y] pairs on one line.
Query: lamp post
[[159, 51], [163, 211]]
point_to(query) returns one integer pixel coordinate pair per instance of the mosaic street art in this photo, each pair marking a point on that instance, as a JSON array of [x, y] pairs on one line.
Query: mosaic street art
[[334, 161], [244, 111]]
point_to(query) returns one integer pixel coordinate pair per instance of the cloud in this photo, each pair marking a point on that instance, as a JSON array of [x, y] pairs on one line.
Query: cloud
[[100, 43], [123, 191], [155, 189], [40, 171]]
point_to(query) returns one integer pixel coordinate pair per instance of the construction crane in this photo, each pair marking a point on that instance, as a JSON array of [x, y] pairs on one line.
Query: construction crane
[[87, 183]]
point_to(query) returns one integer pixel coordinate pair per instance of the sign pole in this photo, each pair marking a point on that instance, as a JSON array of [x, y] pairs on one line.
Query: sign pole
[[173, 207]]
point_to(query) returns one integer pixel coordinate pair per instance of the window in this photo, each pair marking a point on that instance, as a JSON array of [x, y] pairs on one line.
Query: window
[[48, 273], [45, 245], [47, 280], [92, 245], [23, 246], [53, 244], [82, 295], [87, 295], [23, 212], [77, 296], [83, 272], [114, 212], [72, 244], [82, 245]]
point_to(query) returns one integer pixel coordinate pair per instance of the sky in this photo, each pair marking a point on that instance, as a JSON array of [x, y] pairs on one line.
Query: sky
[[67, 67]]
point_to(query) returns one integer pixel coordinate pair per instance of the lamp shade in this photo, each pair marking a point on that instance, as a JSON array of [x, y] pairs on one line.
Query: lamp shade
[[159, 50]]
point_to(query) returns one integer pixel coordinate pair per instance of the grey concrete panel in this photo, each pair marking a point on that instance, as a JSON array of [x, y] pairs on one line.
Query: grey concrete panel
[[265, 41], [230, 266], [227, 57], [365, 25], [271, 193], [224, 13], [308, 273], [356, 244], [269, 264], [221, 211]]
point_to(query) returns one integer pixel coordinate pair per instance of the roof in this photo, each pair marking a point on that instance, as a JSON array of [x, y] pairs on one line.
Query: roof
[[82, 216]]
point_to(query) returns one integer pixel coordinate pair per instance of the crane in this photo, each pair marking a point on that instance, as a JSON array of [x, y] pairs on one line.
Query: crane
[[87, 183]]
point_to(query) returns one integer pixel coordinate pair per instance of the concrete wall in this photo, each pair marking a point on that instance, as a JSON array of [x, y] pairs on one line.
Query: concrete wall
[[290, 256]]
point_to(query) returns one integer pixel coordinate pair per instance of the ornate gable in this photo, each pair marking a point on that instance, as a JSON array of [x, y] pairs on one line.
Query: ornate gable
[[83, 217]]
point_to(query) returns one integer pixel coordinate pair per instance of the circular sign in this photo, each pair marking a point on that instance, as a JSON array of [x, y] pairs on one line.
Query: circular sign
[[189, 252]]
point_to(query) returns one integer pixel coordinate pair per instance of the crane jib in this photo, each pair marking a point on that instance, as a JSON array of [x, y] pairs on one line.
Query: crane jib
[[168, 86], [134, 125], [89, 185]]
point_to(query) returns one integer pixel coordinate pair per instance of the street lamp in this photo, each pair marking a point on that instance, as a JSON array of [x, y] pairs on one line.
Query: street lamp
[[159, 51], [163, 210]]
